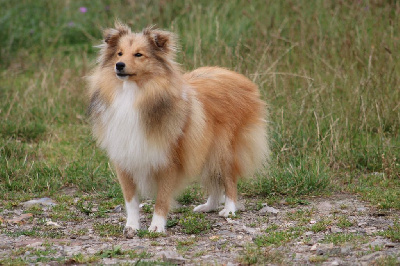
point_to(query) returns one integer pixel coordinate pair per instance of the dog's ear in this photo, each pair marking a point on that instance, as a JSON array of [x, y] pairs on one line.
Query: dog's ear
[[162, 41], [111, 36]]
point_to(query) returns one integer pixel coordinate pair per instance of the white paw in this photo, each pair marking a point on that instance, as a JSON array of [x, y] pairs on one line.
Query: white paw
[[225, 212], [204, 208], [158, 224], [157, 228]]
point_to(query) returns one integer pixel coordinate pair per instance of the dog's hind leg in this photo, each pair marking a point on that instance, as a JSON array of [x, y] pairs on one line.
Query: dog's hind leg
[[214, 186], [131, 202]]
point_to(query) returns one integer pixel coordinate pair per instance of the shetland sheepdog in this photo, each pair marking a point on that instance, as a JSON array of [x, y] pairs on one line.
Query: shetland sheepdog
[[161, 127]]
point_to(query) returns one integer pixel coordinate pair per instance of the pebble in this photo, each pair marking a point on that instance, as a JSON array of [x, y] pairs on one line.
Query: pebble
[[335, 229], [172, 257], [308, 233], [42, 201], [268, 209], [324, 207], [117, 209]]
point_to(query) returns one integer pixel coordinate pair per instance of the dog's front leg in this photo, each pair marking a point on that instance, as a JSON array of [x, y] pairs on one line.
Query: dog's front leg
[[131, 202], [166, 183]]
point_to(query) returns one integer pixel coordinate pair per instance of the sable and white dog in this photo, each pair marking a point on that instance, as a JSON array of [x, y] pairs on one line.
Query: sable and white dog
[[161, 127]]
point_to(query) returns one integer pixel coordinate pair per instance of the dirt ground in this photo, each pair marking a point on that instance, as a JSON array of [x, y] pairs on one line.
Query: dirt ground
[[336, 230]]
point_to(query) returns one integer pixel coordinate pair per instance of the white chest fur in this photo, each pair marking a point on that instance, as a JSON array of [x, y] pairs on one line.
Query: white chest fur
[[125, 141]]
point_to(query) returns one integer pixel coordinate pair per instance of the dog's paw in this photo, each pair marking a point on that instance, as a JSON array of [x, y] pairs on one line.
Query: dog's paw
[[204, 208], [225, 212], [158, 224], [130, 232], [157, 228]]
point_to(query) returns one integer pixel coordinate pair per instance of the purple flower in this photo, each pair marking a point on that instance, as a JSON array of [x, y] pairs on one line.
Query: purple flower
[[83, 9]]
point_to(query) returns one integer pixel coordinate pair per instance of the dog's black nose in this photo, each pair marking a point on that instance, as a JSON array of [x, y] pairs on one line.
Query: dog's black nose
[[120, 65]]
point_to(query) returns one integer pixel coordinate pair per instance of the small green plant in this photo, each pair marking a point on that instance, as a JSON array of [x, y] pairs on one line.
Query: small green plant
[[81, 259], [318, 259], [116, 251], [258, 256], [344, 222], [147, 208], [340, 238], [190, 196], [301, 216], [194, 223], [185, 245], [393, 232], [144, 233], [35, 209], [172, 223], [273, 238], [107, 230], [320, 226]]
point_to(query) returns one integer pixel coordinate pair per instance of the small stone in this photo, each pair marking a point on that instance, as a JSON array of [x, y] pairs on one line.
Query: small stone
[[320, 252], [268, 209], [129, 232], [172, 257], [308, 233], [117, 209], [313, 222], [42, 201], [314, 247], [361, 209], [51, 223], [371, 257], [362, 224], [345, 250], [335, 263], [324, 207], [335, 230], [334, 251], [370, 230]]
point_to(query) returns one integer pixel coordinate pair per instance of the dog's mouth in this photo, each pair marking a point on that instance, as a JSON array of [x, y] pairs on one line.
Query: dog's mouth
[[125, 75]]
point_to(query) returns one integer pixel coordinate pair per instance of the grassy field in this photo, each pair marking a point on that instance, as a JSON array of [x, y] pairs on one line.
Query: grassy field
[[329, 70]]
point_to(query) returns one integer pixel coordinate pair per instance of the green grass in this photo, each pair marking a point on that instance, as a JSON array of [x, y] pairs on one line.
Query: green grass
[[393, 232], [194, 223], [328, 71]]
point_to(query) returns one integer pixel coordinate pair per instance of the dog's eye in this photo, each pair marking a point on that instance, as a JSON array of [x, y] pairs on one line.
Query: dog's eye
[[138, 54], [120, 53]]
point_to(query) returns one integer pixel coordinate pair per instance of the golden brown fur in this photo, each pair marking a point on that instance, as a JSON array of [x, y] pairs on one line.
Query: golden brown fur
[[208, 123]]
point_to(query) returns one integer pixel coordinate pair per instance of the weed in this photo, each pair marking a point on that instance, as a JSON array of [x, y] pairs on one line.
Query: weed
[[393, 232], [340, 238], [143, 233], [81, 259], [318, 259], [344, 222], [194, 223], [147, 208], [172, 223], [255, 255], [301, 216], [191, 195], [320, 226], [107, 230], [116, 251]]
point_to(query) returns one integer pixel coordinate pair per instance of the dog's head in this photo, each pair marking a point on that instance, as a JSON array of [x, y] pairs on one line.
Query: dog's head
[[137, 56]]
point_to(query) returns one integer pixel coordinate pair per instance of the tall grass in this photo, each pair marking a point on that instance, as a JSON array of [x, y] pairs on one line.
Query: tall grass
[[329, 71]]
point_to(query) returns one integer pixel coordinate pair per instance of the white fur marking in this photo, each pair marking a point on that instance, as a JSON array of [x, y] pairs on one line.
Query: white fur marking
[[158, 223], [132, 213], [125, 141], [211, 204], [229, 209]]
